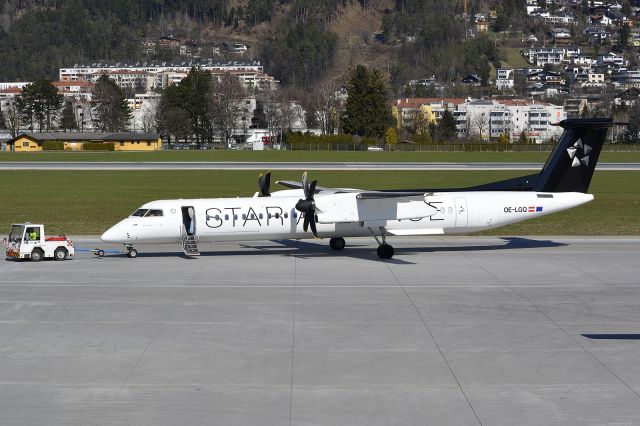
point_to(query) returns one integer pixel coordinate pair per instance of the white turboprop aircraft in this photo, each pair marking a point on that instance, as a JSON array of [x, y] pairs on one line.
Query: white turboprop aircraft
[[336, 213]]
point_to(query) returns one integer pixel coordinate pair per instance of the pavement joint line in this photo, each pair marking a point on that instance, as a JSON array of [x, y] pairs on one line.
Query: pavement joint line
[[514, 289], [293, 337], [152, 287], [444, 358]]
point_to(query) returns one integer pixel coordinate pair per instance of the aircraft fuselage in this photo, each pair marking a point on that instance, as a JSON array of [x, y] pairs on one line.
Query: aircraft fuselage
[[275, 217]]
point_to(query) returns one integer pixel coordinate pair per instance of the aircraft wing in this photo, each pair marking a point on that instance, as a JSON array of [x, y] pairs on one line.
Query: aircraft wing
[[371, 207]]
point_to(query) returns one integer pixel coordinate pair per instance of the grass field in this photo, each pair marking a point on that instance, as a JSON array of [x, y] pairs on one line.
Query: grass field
[[88, 202], [285, 156], [514, 59]]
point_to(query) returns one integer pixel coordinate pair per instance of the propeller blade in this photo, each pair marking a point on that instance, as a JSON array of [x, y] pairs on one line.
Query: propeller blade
[[312, 222], [267, 184], [312, 190], [305, 224], [264, 183], [305, 185]]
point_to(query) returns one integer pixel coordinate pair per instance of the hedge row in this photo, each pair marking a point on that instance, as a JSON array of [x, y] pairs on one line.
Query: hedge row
[[53, 146], [297, 138], [98, 146]]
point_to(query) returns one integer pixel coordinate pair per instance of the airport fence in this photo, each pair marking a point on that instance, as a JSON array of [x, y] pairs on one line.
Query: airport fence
[[449, 147]]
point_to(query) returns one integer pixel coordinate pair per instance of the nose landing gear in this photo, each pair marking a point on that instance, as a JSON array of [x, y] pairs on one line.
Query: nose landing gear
[[131, 252]]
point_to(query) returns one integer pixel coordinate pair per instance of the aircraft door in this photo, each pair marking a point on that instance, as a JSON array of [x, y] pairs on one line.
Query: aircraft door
[[189, 219], [461, 212]]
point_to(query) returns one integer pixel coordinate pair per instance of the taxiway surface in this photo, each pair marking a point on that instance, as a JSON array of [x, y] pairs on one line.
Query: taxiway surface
[[257, 165], [462, 331]]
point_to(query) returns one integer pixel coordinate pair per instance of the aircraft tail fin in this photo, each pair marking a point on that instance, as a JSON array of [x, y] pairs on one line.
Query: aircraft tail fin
[[572, 162]]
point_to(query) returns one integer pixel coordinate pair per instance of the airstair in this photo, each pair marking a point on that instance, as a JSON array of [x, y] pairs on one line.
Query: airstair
[[189, 244]]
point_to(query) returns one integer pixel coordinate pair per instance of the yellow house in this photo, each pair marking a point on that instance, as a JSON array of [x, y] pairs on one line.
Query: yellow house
[[75, 141]]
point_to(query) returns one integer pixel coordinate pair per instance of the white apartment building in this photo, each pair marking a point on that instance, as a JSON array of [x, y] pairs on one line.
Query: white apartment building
[[151, 77], [611, 59], [512, 117], [541, 56], [504, 79], [627, 78]]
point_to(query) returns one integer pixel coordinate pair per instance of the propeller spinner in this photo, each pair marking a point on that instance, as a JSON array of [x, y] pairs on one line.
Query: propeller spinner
[[308, 205]]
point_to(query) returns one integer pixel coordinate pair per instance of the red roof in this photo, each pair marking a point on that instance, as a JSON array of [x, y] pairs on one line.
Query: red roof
[[418, 102], [72, 84], [11, 90]]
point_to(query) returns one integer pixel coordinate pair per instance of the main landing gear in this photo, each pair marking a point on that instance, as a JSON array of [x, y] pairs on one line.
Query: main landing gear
[[131, 252], [385, 251], [337, 243]]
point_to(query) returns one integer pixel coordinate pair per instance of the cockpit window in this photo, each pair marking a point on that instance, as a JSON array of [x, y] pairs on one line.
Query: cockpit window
[[153, 213], [140, 212]]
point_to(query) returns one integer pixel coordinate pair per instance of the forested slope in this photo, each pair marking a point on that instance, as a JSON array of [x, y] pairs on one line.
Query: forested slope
[[301, 42]]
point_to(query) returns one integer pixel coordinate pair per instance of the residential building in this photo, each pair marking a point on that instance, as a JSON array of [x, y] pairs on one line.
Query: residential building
[[159, 76], [611, 59], [486, 118], [504, 78], [627, 78], [561, 36], [408, 111]]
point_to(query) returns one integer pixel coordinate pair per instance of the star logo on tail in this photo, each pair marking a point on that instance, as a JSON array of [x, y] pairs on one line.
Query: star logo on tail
[[579, 153]]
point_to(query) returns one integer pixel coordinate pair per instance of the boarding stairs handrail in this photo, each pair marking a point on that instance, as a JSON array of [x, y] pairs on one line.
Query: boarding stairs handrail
[[189, 243]]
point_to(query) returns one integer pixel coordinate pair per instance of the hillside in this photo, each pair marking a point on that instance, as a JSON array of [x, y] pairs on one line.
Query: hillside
[[301, 42]]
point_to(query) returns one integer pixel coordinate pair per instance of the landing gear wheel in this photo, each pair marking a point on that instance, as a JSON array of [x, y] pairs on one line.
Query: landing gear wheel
[[60, 254], [100, 253], [385, 251], [36, 255], [132, 253], [337, 243]]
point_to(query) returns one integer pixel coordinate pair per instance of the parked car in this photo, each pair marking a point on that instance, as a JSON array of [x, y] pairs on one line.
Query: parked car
[[375, 148]]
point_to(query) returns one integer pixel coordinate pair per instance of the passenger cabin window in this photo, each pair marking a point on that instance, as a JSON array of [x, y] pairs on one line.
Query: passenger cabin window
[[140, 212], [155, 213]]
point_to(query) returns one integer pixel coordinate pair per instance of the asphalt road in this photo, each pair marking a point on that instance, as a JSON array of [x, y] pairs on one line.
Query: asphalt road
[[451, 331], [45, 165]]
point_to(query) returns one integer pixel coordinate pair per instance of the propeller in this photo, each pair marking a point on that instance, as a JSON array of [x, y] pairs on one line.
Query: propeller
[[308, 205], [264, 183]]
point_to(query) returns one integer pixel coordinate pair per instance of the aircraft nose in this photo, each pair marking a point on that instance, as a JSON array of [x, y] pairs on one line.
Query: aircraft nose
[[113, 235]]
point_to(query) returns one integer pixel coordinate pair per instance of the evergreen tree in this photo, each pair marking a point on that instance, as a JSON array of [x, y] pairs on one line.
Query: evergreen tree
[[367, 111], [503, 139], [623, 35], [523, 139], [68, 120], [171, 117], [193, 96], [39, 103], [447, 130], [633, 128], [111, 112]]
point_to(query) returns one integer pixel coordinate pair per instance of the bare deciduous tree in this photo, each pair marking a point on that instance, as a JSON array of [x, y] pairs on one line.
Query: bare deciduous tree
[[226, 104], [270, 104], [326, 105], [148, 118], [480, 122], [12, 119]]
